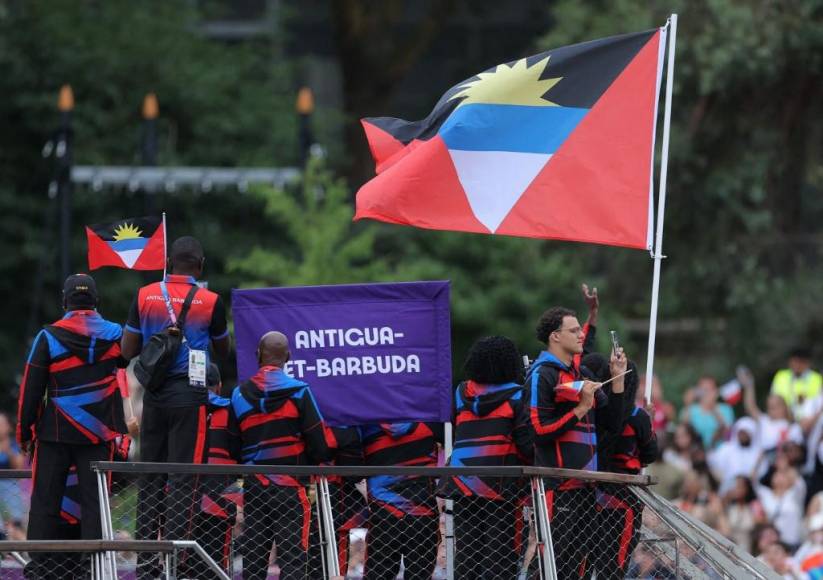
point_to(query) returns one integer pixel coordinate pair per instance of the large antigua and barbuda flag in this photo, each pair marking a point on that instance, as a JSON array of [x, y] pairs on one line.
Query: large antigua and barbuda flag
[[134, 243], [558, 145]]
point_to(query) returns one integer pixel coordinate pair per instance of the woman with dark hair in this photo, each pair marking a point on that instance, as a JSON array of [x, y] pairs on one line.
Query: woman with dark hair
[[491, 429], [743, 511], [686, 448]]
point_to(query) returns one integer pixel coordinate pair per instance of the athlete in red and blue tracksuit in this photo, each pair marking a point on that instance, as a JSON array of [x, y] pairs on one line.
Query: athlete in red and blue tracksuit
[[173, 426], [70, 408], [620, 512], [277, 422], [403, 516], [491, 429], [565, 430], [221, 495]]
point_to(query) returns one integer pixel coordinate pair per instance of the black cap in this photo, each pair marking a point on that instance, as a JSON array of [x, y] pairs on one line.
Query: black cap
[[80, 291]]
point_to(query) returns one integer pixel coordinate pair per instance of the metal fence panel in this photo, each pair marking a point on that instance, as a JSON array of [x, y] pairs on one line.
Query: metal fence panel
[[318, 522]]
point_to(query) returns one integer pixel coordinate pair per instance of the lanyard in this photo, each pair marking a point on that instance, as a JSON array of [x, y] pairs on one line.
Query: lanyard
[[167, 300]]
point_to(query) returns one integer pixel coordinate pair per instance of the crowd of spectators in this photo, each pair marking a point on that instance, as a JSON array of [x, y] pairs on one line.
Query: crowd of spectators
[[756, 475]]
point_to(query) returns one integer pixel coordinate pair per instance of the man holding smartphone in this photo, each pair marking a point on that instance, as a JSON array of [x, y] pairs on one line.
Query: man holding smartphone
[[565, 413]]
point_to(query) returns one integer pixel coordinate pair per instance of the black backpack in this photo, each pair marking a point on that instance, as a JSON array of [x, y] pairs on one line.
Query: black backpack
[[159, 353]]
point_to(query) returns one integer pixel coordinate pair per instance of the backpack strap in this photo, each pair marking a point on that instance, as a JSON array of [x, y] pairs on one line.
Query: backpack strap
[[181, 320]]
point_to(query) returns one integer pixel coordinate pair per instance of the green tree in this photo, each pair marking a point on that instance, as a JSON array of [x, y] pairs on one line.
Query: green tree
[[220, 104], [321, 244], [744, 202]]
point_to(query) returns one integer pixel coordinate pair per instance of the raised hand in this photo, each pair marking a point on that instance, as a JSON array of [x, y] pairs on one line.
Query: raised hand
[[618, 362], [590, 297]]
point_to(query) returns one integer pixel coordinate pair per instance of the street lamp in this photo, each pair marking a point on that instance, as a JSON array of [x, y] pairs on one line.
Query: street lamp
[[305, 108], [63, 156]]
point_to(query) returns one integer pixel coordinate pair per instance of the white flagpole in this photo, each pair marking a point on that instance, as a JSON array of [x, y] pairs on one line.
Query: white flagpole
[[661, 208], [165, 246]]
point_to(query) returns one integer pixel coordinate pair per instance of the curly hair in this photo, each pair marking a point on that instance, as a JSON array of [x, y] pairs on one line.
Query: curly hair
[[493, 360], [551, 320]]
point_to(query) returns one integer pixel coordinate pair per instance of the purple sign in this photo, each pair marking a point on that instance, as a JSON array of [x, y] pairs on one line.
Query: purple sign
[[371, 352]]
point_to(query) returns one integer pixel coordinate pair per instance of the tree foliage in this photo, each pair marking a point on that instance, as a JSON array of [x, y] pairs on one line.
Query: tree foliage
[[320, 245], [744, 202], [745, 173], [219, 105]]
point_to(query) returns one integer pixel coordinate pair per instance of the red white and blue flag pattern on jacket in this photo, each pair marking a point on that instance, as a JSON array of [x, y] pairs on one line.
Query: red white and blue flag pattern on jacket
[[134, 243], [559, 145]]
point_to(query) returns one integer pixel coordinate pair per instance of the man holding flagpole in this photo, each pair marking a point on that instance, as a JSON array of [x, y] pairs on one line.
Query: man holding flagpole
[[565, 413], [174, 425]]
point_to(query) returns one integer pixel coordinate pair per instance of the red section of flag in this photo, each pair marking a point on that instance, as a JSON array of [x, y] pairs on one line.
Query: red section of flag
[[382, 145], [595, 188], [422, 191], [732, 392], [154, 254], [735, 399], [100, 253]]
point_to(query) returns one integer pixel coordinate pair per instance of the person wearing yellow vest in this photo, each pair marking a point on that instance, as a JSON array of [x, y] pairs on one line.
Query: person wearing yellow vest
[[799, 382]]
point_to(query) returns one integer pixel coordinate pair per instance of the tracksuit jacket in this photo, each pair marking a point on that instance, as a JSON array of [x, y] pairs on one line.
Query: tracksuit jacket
[[69, 390], [560, 438], [635, 447], [402, 444], [403, 516], [275, 421], [491, 429]]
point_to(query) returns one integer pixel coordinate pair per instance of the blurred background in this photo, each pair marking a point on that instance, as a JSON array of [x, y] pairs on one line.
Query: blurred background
[[281, 85]]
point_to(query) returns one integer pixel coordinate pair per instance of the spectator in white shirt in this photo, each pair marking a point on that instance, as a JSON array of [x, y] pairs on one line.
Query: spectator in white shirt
[[737, 456], [775, 425], [783, 504]]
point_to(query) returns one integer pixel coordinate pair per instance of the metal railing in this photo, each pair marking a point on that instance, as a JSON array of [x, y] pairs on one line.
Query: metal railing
[[409, 522]]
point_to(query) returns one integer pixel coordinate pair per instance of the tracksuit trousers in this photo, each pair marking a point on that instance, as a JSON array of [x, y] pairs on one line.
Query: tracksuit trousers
[[619, 516], [392, 536], [275, 516], [574, 529], [485, 533], [50, 467], [168, 435]]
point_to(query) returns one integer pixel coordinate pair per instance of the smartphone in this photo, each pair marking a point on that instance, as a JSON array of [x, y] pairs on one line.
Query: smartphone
[[615, 343]]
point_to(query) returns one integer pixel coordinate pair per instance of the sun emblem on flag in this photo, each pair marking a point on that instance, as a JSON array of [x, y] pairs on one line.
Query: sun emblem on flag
[[509, 84], [126, 232]]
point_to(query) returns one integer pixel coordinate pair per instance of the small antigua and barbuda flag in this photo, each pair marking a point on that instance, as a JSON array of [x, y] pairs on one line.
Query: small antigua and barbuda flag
[[568, 392], [732, 392], [558, 145], [133, 243]]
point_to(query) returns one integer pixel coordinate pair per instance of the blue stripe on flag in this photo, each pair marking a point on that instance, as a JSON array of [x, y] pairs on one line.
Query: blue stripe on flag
[[515, 128], [129, 244]]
